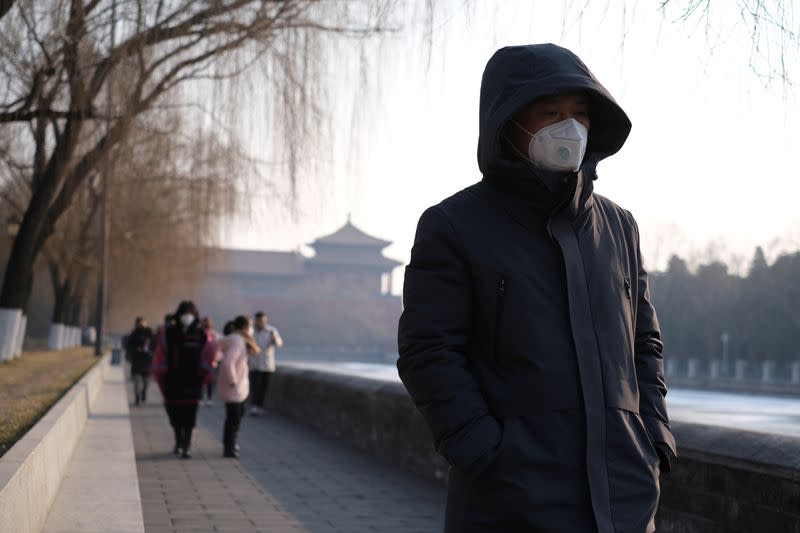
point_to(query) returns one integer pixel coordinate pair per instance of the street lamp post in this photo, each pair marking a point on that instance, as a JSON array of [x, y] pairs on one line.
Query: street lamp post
[[102, 289]]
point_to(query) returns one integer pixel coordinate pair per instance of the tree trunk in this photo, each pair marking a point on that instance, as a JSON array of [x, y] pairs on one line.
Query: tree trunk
[[5, 7], [36, 226], [78, 298], [18, 279], [61, 305]]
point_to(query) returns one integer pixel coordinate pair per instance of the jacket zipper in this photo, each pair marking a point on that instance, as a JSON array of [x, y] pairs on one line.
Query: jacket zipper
[[501, 296], [630, 299]]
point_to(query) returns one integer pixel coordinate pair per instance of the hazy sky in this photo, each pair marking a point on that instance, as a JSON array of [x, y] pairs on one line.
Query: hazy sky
[[711, 157]]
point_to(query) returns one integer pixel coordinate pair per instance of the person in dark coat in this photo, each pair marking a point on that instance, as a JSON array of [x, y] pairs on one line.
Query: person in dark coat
[[182, 365], [528, 340], [138, 345]]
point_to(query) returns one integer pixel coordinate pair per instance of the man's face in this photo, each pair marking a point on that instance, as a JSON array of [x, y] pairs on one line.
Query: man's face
[[546, 111], [261, 322]]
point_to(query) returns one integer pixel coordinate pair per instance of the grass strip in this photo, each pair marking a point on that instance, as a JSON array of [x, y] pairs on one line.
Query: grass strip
[[32, 384]]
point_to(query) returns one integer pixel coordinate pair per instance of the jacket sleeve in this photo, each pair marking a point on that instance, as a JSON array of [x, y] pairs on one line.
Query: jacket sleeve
[[207, 358], [432, 343], [159, 366], [212, 353], [277, 338], [650, 365], [227, 376]]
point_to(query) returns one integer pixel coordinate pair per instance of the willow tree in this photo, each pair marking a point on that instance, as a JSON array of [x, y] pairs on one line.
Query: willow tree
[[58, 56], [170, 194]]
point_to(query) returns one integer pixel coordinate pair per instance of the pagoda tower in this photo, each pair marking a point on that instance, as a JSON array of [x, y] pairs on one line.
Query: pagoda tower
[[351, 261]]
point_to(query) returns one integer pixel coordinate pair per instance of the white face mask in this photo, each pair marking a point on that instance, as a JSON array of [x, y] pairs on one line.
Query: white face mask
[[559, 146], [187, 319]]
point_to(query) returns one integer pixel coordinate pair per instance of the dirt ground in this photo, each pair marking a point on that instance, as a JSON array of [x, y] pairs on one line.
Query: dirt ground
[[30, 385]]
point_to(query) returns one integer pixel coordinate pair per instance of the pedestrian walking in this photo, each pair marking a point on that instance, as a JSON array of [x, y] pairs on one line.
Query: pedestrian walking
[[208, 389], [528, 340], [182, 365], [233, 351], [262, 366], [139, 345]]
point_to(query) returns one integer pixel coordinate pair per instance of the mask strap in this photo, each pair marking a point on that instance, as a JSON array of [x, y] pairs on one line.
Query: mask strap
[[513, 147], [520, 126]]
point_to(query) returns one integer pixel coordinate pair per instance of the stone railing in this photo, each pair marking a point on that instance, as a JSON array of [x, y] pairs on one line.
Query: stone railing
[[739, 375], [725, 480]]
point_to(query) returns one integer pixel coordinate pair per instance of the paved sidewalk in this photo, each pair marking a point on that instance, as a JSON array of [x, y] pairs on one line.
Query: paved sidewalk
[[99, 491], [289, 479]]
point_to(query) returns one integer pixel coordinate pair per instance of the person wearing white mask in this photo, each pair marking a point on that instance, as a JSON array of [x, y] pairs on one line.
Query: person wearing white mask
[[528, 340], [233, 386], [182, 366]]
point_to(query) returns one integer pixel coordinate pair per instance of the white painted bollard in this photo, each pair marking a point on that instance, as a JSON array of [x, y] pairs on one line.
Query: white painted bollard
[[714, 369], [9, 328], [56, 337], [68, 341], [91, 335], [795, 373], [693, 369], [63, 337], [741, 370], [768, 371], [23, 324]]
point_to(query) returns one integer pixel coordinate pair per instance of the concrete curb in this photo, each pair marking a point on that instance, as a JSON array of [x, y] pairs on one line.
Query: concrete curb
[[32, 470]]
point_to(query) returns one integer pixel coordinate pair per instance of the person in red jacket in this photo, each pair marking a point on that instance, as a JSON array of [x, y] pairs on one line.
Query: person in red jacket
[[182, 365]]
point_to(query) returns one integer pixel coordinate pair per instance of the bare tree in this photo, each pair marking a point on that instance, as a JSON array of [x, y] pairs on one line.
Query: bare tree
[[57, 56], [168, 190], [171, 191], [771, 24]]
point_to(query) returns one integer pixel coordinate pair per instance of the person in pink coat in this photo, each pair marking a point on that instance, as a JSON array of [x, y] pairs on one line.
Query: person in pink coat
[[233, 384]]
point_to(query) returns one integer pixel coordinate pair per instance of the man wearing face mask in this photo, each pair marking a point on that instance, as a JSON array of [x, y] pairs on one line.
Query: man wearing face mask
[[528, 340], [182, 365]]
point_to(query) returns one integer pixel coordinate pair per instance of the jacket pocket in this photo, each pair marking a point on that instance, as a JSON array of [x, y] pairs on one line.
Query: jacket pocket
[[644, 437]]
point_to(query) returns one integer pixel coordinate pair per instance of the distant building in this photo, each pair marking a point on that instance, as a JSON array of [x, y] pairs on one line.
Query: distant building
[[339, 297]]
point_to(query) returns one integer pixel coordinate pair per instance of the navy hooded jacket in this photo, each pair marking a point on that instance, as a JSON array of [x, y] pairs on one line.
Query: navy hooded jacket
[[528, 340]]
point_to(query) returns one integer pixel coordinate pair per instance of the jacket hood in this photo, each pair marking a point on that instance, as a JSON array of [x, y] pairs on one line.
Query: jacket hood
[[514, 77]]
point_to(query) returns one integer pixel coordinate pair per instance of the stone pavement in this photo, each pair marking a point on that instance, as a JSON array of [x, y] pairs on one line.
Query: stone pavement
[[289, 479], [99, 492]]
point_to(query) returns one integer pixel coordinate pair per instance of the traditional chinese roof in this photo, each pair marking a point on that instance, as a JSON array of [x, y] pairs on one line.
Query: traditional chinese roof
[[349, 246], [349, 235]]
